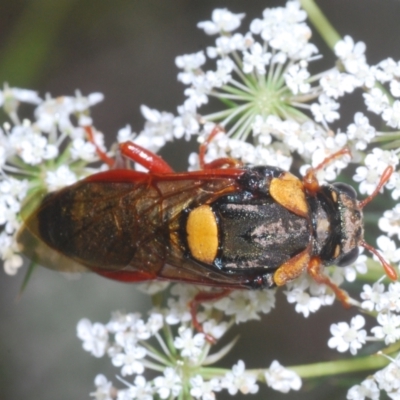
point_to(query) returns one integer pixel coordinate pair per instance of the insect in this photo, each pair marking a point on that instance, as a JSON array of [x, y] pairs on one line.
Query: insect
[[229, 225]]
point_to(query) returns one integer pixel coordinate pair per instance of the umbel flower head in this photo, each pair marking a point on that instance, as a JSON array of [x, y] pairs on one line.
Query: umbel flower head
[[274, 111]]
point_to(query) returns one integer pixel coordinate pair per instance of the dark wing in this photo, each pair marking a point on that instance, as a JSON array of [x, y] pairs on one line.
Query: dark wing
[[122, 224]]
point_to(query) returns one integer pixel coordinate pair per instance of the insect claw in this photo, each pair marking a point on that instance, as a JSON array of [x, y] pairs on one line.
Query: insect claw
[[202, 297]]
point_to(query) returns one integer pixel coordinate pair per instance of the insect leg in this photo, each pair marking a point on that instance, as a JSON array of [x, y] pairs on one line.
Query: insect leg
[[292, 268], [315, 270], [146, 158], [224, 162], [101, 154], [310, 180], [203, 297]]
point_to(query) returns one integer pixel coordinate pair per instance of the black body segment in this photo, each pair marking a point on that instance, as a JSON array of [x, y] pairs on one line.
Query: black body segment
[[258, 233]]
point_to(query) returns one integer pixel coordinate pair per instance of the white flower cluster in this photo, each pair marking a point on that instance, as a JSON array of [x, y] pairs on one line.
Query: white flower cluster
[[182, 359], [385, 305], [274, 100], [386, 379], [40, 155]]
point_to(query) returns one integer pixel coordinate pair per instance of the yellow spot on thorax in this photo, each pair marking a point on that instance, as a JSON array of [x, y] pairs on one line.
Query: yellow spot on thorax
[[288, 191]]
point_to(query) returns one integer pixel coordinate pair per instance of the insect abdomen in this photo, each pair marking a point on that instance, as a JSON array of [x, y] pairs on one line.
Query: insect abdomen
[[97, 223]]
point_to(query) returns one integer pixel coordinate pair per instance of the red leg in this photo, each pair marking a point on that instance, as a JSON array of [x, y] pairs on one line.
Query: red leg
[[146, 158], [315, 270], [220, 162], [310, 180], [102, 155], [202, 297]]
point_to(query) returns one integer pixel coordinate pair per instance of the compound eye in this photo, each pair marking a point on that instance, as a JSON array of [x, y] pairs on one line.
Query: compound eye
[[346, 189], [348, 258]]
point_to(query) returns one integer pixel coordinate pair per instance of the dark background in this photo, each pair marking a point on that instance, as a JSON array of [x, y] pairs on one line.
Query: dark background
[[126, 50]]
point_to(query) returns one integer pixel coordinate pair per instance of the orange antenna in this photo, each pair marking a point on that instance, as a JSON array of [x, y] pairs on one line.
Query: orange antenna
[[332, 157], [389, 270], [387, 173]]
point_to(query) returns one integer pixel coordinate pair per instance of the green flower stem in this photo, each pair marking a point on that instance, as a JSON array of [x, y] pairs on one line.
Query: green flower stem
[[373, 362], [386, 137], [209, 373], [321, 23]]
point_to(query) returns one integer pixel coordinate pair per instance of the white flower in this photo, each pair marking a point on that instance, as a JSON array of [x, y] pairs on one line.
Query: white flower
[[83, 150], [325, 111], [255, 59], [103, 388], [389, 329], [140, 390], [12, 263], [198, 93], [204, 390], [177, 310], [9, 250], [158, 129], [376, 100], [94, 337], [137, 330], [388, 248], [169, 385], [372, 296], [395, 88], [359, 266], [367, 390], [120, 322], [125, 134], [239, 380], [392, 298], [32, 147], [190, 63], [281, 379], [388, 378], [361, 131], [190, 346], [386, 70], [54, 112], [376, 162], [394, 185], [296, 79], [186, 123], [59, 178], [222, 21], [305, 304], [245, 305], [222, 75], [10, 98], [391, 114], [155, 322], [212, 328], [83, 103], [390, 222], [130, 360], [22, 95], [335, 83], [347, 337], [352, 55]]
